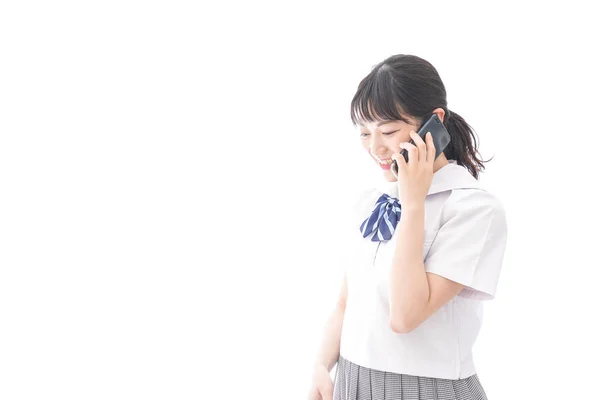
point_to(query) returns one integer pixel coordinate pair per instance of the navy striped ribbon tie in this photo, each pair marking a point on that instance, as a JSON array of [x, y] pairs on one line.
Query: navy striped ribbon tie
[[383, 219]]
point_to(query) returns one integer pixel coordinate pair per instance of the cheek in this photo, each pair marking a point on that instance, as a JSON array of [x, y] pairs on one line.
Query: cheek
[[400, 139], [404, 135]]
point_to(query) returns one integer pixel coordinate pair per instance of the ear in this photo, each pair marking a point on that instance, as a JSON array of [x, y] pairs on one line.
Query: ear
[[440, 113]]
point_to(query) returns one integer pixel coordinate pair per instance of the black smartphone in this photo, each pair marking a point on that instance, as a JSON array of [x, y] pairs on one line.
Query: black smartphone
[[439, 134]]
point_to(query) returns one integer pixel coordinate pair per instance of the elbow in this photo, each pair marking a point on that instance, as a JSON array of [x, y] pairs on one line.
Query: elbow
[[400, 326], [341, 305]]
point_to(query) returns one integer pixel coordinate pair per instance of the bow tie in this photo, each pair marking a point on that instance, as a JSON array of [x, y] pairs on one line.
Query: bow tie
[[383, 219]]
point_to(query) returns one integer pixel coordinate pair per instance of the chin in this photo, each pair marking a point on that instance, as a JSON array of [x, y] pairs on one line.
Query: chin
[[389, 176]]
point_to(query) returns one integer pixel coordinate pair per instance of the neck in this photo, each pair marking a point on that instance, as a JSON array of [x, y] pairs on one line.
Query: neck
[[440, 162]]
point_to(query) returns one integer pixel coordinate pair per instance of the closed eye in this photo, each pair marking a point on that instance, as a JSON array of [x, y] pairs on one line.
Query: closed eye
[[363, 134]]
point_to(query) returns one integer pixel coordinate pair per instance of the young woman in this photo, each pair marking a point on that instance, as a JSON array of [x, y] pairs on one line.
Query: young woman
[[425, 250]]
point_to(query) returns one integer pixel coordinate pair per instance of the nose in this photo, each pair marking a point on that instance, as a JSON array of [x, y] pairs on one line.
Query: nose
[[376, 146]]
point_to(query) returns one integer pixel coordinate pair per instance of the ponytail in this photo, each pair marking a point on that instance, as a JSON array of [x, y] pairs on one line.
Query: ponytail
[[463, 144]]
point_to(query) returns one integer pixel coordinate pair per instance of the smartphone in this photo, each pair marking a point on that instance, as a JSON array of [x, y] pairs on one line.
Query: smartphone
[[439, 134]]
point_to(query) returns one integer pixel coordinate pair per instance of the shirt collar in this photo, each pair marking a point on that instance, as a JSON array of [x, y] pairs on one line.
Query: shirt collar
[[450, 176]]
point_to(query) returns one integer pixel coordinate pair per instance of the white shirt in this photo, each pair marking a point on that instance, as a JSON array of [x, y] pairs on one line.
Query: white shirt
[[464, 241]]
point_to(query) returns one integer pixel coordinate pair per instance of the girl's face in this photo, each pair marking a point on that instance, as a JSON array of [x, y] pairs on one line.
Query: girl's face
[[381, 139]]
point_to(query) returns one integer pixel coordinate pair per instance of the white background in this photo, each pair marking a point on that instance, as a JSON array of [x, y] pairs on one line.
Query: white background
[[172, 176]]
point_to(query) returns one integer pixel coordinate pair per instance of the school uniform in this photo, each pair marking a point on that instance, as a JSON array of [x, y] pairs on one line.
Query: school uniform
[[464, 241]]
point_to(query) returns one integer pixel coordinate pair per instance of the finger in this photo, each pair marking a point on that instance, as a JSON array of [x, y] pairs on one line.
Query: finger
[[399, 158], [413, 152], [420, 145], [400, 163], [430, 148]]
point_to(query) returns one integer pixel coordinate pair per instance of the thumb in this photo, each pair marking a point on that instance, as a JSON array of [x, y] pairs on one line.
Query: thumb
[[395, 167], [399, 158]]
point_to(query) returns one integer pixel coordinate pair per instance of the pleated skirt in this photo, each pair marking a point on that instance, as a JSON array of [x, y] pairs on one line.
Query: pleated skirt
[[355, 382]]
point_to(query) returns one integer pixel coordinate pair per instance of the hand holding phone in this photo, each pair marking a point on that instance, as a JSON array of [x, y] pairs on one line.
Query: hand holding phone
[[439, 134]]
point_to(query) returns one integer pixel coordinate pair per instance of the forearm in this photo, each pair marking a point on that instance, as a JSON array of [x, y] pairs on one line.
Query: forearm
[[409, 288], [329, 350]]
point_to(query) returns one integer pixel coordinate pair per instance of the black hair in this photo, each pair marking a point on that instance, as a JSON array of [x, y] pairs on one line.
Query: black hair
[[404, 87]]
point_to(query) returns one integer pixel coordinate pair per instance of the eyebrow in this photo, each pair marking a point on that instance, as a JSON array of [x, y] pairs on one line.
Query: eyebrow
[[381, 123]]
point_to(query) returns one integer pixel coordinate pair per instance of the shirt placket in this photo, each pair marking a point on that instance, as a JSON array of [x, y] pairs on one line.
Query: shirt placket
[[375, 253]]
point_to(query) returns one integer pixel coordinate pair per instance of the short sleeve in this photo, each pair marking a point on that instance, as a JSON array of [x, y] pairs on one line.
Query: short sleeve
[[469, 245]]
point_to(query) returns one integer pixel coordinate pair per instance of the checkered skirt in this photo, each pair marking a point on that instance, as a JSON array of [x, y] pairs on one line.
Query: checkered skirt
[[355, 382]]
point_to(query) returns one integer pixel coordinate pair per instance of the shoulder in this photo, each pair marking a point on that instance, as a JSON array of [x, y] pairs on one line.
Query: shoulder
[[475, 202], [361, 203], [360, 198]]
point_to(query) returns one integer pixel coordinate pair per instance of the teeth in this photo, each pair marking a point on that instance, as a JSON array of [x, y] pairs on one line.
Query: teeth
[[385, 162]]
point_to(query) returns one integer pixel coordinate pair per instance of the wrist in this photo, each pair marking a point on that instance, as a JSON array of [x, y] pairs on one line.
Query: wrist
[[317, 367], [412, 206]]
